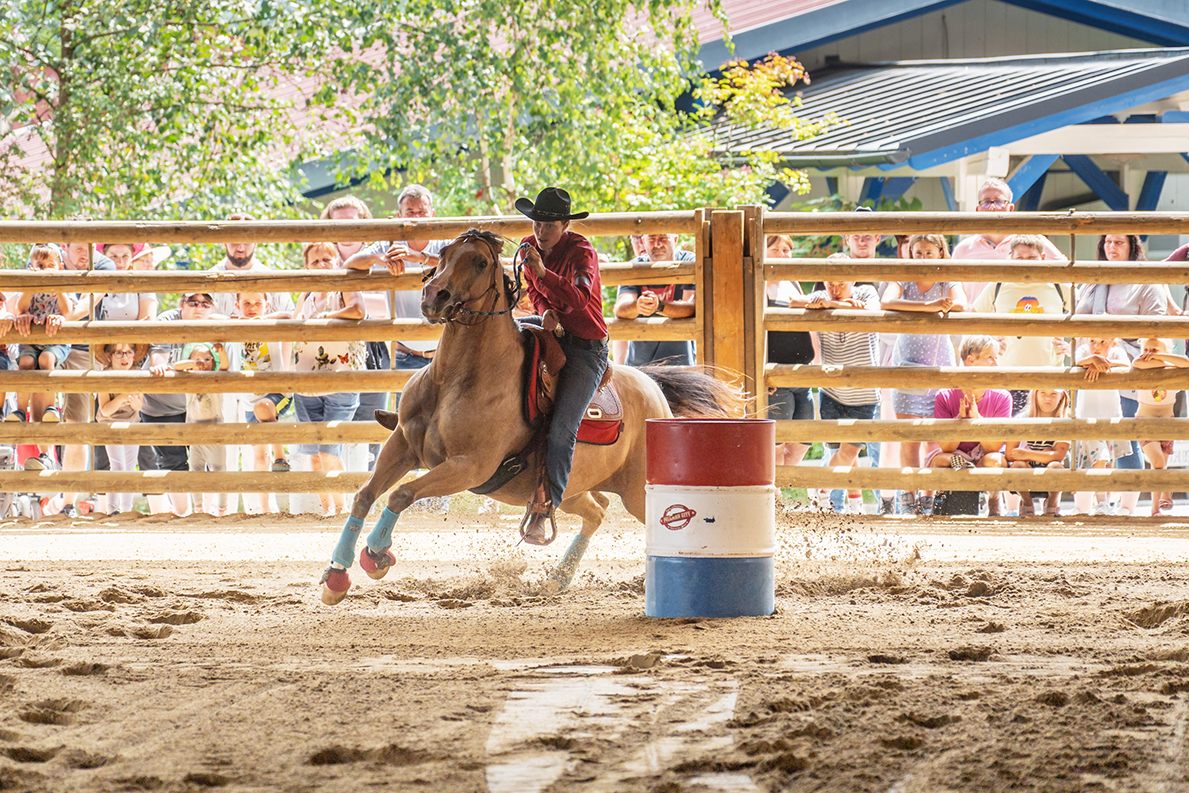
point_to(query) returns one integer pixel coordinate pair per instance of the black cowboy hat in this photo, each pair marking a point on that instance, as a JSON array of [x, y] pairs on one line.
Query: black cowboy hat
[[552, 204]]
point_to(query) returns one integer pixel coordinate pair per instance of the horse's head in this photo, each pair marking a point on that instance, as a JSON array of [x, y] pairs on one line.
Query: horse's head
[[468, 269]]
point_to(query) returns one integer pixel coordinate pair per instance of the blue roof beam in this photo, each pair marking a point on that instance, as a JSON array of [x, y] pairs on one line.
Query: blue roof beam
[[1029, 172], [1149, 194], [1103, 186], [897, 186], [873, 187], [1161, 22], [1030, 200]]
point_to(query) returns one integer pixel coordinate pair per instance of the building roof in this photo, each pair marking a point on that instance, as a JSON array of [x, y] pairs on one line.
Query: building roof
[[924, 113]]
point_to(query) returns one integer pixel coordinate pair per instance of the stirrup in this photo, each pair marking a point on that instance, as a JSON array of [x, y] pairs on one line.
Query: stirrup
[[537, 513]]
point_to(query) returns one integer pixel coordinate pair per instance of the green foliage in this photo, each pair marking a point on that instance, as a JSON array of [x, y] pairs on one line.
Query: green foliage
[[149, 107]]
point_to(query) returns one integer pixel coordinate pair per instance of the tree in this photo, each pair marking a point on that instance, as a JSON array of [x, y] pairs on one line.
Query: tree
[[145, 106]]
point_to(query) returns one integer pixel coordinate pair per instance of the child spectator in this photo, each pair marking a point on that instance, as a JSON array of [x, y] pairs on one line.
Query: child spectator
[[921, 349], [973, 403], [1158, 403], [845, 348], [125, 306], [1098, 356], [116, 357], [50, 309], [263, 356], [1042, 403], [205, 408]]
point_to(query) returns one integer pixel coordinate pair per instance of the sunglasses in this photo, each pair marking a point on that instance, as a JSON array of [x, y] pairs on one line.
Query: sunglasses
[[199, 303]]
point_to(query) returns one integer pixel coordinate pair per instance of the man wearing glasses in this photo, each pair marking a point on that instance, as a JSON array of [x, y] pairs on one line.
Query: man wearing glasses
[[995, 196]]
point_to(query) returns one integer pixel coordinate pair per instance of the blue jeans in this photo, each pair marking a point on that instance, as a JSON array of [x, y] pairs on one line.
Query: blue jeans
[[1135, 460], [368, 405], [833, 410], [328, 407], [577, 383], [402, 360]]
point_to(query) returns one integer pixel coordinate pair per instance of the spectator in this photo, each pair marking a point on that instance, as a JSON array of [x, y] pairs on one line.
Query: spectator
[[1158, 403], [1099, 356], [49, 309], [377, 305], [327, 356], [994, 196], [206, 409], [665, 300], [973, 403], [149, 257], [842, 348], [125, 306], [788, 347], [171, 408], [1042, 403], [241, 258], [117, 357], [1021, 298], [414, 203], [258, 356], [921, 349], [1126, 300]]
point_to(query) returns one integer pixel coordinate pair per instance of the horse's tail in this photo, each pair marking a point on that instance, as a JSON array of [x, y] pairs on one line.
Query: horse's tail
[[692, 392]]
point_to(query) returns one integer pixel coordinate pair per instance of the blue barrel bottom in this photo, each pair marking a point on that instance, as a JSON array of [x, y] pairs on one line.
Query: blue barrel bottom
[[682, 586]]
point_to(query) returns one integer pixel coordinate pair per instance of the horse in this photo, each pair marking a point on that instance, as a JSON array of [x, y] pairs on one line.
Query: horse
[[462, 415]]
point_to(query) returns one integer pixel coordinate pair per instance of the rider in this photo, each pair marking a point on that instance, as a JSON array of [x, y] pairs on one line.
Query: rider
[[562, 273]]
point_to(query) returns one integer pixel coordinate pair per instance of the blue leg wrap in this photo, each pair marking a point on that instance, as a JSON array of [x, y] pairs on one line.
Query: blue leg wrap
[[344, 552], [381, 536], [563, 574]]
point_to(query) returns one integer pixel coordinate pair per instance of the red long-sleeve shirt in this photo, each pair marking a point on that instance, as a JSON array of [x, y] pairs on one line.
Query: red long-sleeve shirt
[[580, 308]]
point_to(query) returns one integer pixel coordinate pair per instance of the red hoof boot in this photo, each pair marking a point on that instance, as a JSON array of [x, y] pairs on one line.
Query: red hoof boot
[[335, 584], [376, 564]]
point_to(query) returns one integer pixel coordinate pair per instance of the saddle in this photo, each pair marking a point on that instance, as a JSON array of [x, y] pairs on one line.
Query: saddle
[[544, 360]]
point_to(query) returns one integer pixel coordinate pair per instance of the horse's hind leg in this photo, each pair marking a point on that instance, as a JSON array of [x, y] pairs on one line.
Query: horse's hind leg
[[395, 460], [591, 507]]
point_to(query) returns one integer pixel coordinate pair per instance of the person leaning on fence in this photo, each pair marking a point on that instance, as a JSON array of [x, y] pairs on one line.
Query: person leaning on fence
[[1158, 403], [1099, 356], [994, 195], [561, 270], [121, 407], [205, 409], [1030, 299], [1124, 300], [921, 349], [241, 258], [316, 356], [1042, 403], [675, 301], [795, 347], [973, 403], [263, 356], [846, 348], [171, 408]]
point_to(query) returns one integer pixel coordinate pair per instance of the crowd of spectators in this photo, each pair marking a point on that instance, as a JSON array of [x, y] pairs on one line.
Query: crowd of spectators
[[20, 311], [1096, 356]]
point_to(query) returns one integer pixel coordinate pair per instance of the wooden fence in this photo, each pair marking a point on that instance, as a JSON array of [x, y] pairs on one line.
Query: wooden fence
[[730, 323], [759, 374]]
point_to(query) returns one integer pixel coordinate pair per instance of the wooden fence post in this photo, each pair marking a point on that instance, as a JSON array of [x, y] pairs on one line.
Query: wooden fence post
[[754, 302], [703, 299], [726, 285]]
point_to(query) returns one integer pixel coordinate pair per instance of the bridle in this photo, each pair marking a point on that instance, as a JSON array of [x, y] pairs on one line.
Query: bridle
[[455, 312]]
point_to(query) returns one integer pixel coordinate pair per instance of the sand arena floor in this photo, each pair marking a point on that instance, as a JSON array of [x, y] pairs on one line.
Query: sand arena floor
[[915, 655]]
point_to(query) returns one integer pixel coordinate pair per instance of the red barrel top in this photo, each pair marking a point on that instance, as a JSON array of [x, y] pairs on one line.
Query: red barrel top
[[711, 452]]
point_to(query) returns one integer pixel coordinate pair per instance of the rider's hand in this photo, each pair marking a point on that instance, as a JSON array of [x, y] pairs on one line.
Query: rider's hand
[[532, 260]]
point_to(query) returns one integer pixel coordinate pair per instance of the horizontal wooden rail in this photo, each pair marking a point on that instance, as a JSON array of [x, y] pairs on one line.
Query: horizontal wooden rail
[[1097, 479], [314, 330], [166, 231], [232, 434], [963, 324], [861, 270], [799, 376], [151, 482], [184, 281], [1022, 429], [1059, 223], [141, 382]]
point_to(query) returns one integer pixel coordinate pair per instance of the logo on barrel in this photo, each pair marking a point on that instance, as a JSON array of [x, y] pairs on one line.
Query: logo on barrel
[[677, 517]]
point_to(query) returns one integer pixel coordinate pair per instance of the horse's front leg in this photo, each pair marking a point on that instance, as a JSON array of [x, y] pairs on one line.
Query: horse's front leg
[[395, 460]]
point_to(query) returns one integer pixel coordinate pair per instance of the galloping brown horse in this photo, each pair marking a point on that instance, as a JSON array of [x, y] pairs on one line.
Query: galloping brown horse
[[461, 416]]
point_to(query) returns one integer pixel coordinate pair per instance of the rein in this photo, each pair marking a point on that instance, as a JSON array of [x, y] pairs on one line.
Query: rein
[[513, 297]]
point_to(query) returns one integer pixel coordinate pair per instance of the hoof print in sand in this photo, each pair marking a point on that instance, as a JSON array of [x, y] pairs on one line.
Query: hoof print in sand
[[85, 761], [1054, 699], [176, 618], [116, 595], [26, 754], [972, 653], [84, 669], [884, 658], [140, 783], [30, 625], [385, 755], [159, 632], [53, 711], [207, 779], [905, 743], [38, 662]]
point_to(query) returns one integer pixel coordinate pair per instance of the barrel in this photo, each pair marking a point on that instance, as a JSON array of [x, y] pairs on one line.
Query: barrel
[[710, 515]]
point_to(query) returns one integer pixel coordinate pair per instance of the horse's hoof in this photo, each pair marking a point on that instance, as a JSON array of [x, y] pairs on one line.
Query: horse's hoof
[[388, 419], [553, 586], [376, 564], [335, 585]]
